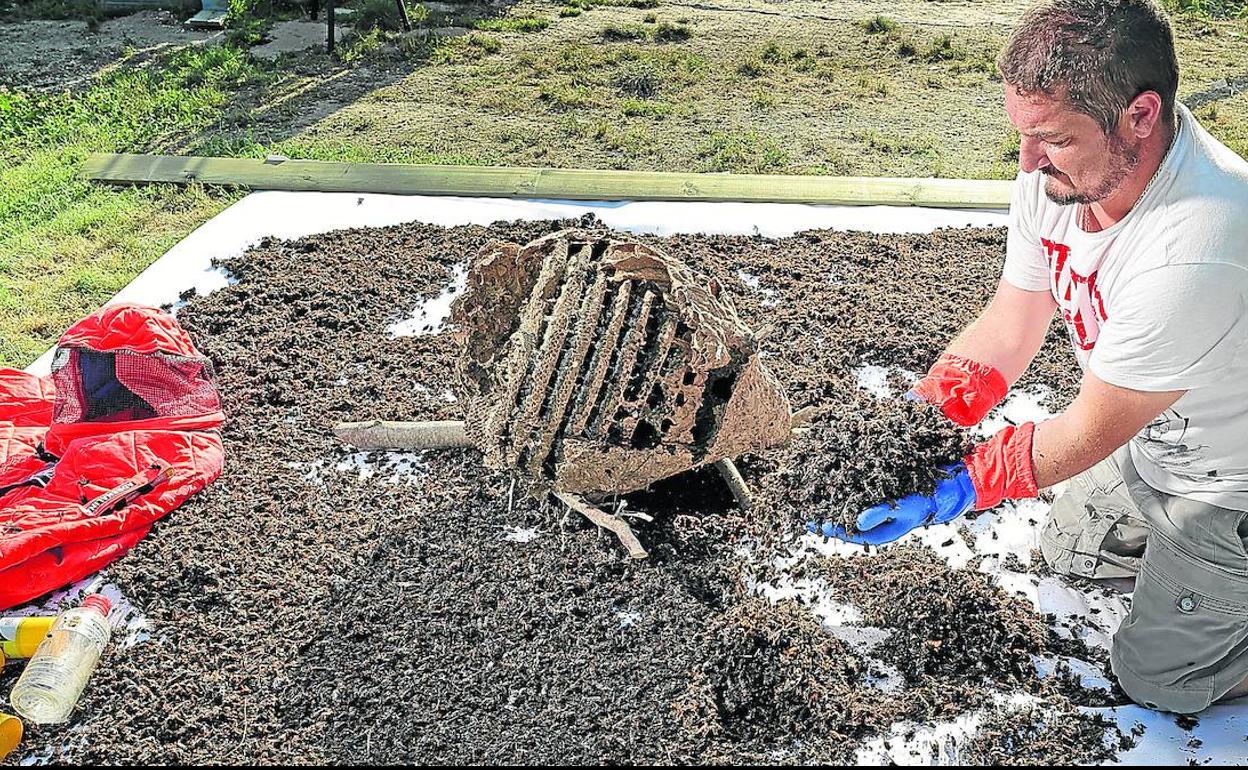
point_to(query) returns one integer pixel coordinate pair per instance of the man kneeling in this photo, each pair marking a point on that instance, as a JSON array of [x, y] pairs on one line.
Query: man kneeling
[[1130, 220]]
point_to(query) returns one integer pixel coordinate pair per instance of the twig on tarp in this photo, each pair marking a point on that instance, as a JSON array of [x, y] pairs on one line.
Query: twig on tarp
[[806, 414], [728, 469], [614, 524]]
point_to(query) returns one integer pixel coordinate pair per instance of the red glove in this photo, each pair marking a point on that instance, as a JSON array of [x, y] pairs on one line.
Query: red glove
[[1001, 467], [964, 390]]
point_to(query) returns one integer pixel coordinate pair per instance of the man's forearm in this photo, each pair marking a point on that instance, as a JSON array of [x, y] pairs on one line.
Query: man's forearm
[[978, 367], [1062, 449], [1101, 419], [981, 342], [1008, 332]]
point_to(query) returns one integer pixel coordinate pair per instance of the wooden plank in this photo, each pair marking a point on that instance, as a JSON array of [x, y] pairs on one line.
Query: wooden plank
[[565, 184], [207, 20], [116, 7]]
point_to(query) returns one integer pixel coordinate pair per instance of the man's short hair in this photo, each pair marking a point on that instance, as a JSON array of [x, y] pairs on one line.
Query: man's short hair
[[1096, 54]]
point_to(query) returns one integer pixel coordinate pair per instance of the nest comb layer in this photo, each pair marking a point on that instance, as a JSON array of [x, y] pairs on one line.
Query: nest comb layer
[[601, 366]]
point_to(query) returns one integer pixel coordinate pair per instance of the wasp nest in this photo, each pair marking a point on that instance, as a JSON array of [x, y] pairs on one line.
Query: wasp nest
[[599, 366]]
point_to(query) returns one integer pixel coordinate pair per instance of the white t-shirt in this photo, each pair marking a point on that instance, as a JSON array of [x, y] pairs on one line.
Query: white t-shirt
[[1159, 301]]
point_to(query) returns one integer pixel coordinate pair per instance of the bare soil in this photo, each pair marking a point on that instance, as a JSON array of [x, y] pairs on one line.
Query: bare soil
[[303, 613], [56, 55]]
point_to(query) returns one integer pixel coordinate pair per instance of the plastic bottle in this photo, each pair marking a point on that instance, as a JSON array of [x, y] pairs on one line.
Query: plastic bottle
[[55, 677]]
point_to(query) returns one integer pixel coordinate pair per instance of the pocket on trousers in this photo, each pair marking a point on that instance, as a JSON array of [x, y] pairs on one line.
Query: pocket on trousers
[[1079, 524]]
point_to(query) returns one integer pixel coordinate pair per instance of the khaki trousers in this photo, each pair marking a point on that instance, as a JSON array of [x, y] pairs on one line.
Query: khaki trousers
[[1185, 642]]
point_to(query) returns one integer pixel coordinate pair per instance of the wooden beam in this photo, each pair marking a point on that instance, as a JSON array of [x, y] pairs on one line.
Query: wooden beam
[[558, 184]]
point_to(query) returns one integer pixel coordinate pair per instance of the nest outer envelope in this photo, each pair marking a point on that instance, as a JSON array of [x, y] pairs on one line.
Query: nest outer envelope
[[599, 366]]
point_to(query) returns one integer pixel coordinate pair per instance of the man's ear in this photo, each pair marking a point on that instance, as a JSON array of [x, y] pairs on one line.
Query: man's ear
[[1143, 114]]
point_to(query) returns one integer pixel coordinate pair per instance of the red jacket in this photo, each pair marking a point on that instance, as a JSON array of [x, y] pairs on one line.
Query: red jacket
[[123, 431]]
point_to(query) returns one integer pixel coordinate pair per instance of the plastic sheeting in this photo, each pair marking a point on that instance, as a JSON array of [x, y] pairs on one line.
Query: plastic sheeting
[[1218, 738]]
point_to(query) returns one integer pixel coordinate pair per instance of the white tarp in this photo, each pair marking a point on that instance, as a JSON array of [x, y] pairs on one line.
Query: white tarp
[[1220, 736]]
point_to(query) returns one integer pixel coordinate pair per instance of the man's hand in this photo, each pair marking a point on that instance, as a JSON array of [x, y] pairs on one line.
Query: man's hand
[[997, 469], [962, 389], [1018, 460], [886, 522]]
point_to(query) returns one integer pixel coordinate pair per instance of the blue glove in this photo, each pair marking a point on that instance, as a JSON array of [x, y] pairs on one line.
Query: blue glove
[[886, 522]]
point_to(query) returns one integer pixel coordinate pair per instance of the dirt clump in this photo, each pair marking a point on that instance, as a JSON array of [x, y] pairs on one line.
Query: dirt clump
[[946, 623], [1046, 733], [773, 677], [862, 450]]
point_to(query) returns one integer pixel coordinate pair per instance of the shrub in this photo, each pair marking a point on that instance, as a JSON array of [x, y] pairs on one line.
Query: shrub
[[617, 32], [672, 33]]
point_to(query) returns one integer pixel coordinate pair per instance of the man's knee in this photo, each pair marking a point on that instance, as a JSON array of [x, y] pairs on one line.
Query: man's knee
[[1185, 643], [1174, 696], [1060, 539]]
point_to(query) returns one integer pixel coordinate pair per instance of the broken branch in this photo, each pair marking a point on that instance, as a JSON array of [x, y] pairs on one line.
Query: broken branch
[[385, 434], [605, 520], [728, 469]]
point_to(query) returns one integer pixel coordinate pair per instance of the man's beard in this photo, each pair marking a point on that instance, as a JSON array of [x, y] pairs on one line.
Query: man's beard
[[1124, 159]]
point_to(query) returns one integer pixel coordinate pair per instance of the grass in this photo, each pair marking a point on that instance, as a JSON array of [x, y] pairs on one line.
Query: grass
[[67, 245], [512, 24], [642, 82], [563, 97], [85, 10], [663, 32], [618, 32], [384, 15], [470, 47], [745, 152], [666, 32], [1214, 9], [878, 24], [645, 108]]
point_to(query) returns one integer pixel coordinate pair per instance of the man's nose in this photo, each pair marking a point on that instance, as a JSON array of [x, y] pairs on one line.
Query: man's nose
[[1031, 155]]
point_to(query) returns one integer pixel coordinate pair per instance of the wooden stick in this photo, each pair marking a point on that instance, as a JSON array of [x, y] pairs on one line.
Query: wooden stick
[[728, 469], [383, 434], [807, 413], [330, 19], [605, 520]]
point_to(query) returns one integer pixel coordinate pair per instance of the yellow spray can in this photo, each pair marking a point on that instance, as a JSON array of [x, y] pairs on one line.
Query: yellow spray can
[[20, 637]]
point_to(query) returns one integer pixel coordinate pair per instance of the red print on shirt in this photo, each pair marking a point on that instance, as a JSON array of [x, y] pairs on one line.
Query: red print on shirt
[[1082, 306]]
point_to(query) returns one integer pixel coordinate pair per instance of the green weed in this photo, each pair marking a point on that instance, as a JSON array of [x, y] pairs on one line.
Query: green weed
[[645, 108], [512, 24], [619, 32], [747, 152], [1212, 9], [878, 24], [562, 97], [671, 33], [467, 48]]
